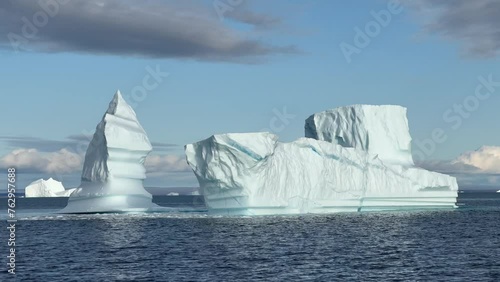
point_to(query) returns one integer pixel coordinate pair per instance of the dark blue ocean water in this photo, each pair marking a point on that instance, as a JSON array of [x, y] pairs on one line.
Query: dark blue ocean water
[[189, 245]]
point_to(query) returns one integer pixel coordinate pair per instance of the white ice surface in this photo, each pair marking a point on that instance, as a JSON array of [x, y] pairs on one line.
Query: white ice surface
[[66, 193], [381, 130], [46, 188], [113, 171], [253, 173]]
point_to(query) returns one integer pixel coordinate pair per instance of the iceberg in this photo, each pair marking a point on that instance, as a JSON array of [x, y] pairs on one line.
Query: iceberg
[[113, 170], [379, 130], [46, 188], [355, 158]]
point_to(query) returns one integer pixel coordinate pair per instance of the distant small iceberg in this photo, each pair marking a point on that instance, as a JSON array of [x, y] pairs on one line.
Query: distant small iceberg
[[498, 191], [42, 188]]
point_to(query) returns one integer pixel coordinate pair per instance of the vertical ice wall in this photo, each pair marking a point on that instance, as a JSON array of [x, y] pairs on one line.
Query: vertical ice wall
[[381, 130]]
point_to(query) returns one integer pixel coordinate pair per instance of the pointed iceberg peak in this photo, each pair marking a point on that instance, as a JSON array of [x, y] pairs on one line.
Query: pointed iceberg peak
[[119, 107], [113, 171]]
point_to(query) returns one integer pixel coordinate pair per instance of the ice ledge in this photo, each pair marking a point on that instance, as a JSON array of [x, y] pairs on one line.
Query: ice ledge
[[381, 130]]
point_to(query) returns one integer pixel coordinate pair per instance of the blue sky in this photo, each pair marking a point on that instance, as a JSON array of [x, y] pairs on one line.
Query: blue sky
[[59, 85]]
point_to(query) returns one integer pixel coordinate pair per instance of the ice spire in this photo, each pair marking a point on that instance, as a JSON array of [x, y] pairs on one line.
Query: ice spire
[[113, 171]]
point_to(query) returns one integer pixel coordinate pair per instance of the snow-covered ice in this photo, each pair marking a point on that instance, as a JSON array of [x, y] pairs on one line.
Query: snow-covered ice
[[379, 130], [113, 171], [356, 158], [46, 188]]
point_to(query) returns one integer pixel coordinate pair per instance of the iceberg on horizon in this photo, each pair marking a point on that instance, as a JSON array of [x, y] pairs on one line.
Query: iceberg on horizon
[[113, 171], [355, 158], [42, 188]]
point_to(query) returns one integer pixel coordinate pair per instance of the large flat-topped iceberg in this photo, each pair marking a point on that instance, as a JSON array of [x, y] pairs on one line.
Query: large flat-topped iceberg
[[253, 173], [113, 171], [42, 188]]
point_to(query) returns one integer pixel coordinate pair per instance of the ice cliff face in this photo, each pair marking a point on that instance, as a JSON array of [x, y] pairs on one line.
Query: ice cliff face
[[380, 130], [357, 158], [113, 171], [46, 188]]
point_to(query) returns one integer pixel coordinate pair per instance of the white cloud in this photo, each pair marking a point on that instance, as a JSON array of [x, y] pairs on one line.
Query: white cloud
[[166, 163], [65, 161], [486, 159], [448, 167], [62, 161], [480, 168]]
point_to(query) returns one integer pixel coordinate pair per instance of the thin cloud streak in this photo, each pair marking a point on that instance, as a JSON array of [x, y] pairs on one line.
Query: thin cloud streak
[[64, 161], [73, 143]]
